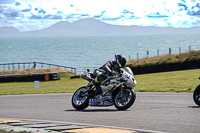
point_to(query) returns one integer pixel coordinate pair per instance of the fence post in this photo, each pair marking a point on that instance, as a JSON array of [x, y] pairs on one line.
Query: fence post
[[158, 52], [147, 54], [18, 67], [34, 65], [189, 48], [170, 51]]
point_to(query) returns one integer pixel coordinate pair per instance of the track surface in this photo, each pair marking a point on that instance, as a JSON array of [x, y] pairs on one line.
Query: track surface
[[157, 111]]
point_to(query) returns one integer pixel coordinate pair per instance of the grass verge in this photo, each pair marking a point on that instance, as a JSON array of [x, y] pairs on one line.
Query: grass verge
[[3, 131], [59, 86], [165, 59], [175, 81]]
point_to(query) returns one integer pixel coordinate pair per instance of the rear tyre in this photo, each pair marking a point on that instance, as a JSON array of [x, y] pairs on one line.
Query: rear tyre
[[196, 95], [80, 102], [125, 100]]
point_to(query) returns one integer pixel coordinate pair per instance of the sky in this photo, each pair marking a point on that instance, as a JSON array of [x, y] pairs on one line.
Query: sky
[[28, 15]]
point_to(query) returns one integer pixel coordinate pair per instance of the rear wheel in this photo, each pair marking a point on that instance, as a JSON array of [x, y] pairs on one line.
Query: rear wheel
[[196, 95], [125, 100], [79, 101]]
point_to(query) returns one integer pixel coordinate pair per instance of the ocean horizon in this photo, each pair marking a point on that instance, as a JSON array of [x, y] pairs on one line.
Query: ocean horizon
[[92, 51]]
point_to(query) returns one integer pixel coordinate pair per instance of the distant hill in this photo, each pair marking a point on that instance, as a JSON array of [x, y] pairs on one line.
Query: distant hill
[[92, 27], [8, 31]]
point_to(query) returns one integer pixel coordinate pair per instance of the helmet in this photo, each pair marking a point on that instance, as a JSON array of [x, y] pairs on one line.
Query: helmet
[[120, 60]]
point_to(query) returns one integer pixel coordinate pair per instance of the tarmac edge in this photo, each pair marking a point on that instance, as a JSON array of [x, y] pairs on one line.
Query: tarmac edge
[[8, 123]]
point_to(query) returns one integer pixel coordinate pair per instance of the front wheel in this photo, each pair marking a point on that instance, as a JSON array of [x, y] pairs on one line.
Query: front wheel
[[196, 95], [124, 99], [79, 101]]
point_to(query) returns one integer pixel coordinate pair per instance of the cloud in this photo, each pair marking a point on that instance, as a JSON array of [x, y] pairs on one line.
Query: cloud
[[195, 10], [34, 15]]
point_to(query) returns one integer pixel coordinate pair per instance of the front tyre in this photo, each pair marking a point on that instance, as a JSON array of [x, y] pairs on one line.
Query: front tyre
[[79, 101], [196, 95], [125, 100]]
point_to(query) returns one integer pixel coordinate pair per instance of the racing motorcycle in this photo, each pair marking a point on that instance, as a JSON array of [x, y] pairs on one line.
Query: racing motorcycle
[[116, 90], [196, 95]]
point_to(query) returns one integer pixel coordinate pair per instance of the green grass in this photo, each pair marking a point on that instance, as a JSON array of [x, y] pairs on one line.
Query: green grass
[[3, 131], [176, 81], [165, 59], [60, 86]]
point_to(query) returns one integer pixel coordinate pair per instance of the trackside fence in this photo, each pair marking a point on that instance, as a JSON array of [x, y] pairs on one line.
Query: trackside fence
[[33, 65], [81, 70], [148, 54]]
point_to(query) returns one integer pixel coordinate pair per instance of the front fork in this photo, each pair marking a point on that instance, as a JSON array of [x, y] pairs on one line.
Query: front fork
[[121, 91]]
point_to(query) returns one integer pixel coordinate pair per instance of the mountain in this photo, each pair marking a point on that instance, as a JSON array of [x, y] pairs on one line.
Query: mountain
[[92, 27], [8, 31]]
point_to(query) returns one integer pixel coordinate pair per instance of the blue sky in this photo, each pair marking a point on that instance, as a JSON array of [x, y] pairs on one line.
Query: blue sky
[[27, 15]]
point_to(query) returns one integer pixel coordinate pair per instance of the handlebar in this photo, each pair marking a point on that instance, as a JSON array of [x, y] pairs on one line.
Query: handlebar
[[87, 76]]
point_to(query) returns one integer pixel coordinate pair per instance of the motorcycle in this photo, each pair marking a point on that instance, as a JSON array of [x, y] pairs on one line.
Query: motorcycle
[[116, 90], [196, 95]]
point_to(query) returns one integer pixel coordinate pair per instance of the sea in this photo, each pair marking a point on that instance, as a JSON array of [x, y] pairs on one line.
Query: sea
[[92, 51]]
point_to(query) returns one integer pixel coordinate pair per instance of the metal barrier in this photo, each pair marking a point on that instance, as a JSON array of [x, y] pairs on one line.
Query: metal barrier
[[81, 70], [33, 65]]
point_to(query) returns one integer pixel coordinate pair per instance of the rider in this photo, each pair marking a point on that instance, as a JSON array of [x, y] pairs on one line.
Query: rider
[[110, 68]]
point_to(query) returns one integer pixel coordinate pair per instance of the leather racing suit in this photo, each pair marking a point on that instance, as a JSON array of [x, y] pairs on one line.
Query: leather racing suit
[[108, 69]]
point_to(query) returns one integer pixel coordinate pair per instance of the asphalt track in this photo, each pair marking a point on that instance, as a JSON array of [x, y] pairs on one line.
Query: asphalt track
[[152, 111]]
